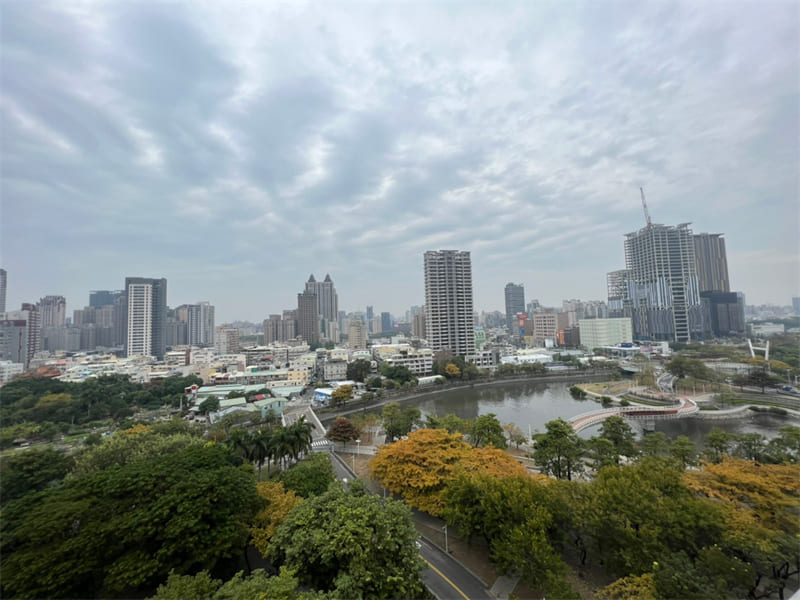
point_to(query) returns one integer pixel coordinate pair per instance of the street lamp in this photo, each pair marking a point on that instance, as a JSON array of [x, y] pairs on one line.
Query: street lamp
[[358, 446], [445, 539]]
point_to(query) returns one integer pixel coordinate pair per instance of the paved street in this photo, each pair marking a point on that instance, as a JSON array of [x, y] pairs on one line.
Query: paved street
[[445, 577]]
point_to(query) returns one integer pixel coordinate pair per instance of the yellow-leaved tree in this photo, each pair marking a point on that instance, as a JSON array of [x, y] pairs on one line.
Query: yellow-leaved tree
[[279, 504], [420, 468]]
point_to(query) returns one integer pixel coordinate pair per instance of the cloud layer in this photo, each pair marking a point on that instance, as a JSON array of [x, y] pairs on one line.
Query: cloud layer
[[236, 148]]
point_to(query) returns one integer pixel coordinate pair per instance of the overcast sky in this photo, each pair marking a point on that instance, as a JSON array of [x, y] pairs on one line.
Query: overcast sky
[[235, 148]]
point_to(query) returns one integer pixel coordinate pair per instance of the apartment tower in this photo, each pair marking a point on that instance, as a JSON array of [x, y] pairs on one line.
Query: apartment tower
[[146, 317], [515, 304], [448, 301], [200, 319], [3, 284], [308, 317]]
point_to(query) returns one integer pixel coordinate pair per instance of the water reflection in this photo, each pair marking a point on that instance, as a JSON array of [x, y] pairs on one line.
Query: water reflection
[[532, 404]]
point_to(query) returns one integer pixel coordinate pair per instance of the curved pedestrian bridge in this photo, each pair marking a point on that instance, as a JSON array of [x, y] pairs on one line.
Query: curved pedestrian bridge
[[683, 407]]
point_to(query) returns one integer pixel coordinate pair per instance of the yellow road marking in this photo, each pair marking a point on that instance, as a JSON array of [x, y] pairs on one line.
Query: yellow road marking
[[442, 575]]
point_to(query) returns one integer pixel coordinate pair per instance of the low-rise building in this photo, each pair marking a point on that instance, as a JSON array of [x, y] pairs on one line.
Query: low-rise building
[[334, 369], [419, 362]]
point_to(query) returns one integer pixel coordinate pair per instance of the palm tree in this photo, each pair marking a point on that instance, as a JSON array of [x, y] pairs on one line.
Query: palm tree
[[300, 434], [262, 448], [281, 444], [239, 442]]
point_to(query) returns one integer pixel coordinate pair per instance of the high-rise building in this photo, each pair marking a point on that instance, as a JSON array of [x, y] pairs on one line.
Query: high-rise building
[[100, 298], [54, 311], [272, 330], [308, 317], [712, 262], [357, 335], [3, 284], [386, 322], [146, 317], [515, 304], [14, 341], [418, 324], [448, 301], [662, 289], [200, 318], [29, 319], [796, 305], [726, 312], [327, 305]]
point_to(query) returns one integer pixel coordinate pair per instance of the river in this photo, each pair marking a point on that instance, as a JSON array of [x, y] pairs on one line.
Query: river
[[530, 405]]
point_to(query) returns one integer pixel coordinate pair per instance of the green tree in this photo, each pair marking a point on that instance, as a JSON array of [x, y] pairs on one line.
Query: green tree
[[785, 447], [485, 430], [617, 431], [512, 514], [717, 444], [124, 528], [32, 470], [683, 450], [636, 514], [397, 373], [257, 585], [559, 451], [359, 370], [181, 587], [749, 446], [577, 392], [602, 452], [397, 421], [450, 422], [351, 546], [654, 444], [209, 405], [310, 477], [132, 445]]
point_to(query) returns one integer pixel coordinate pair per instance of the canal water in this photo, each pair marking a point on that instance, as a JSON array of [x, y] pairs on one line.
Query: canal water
[[530, 405]]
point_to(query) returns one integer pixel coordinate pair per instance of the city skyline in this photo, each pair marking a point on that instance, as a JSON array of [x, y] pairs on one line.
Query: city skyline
[[234, 152]]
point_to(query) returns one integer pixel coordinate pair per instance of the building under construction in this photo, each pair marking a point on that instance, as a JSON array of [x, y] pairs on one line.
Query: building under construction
[[662, 289]]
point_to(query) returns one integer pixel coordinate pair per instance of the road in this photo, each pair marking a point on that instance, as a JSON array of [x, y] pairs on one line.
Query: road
[[445, 577]]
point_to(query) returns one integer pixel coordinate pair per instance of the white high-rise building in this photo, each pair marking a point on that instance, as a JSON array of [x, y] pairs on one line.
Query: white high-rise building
[[140, 320], [448, 301], [200, 319]]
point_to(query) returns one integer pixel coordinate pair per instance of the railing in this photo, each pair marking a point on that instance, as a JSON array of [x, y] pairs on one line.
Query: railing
[[685, 408]]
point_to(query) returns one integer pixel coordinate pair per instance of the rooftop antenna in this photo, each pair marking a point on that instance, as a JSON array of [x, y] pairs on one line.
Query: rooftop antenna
[[644, 205]]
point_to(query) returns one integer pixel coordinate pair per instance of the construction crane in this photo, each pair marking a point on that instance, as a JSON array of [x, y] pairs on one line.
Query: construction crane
[[644, 205]]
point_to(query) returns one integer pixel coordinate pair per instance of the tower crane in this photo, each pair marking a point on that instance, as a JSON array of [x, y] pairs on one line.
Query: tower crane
[[644, 205]]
